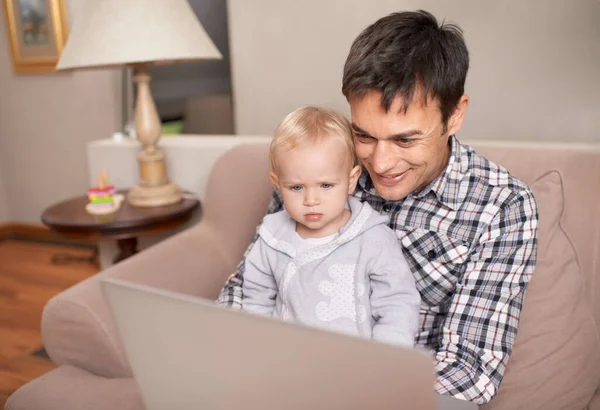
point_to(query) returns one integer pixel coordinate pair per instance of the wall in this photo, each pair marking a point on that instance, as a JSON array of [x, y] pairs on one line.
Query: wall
[[534, 63], [45, 122]]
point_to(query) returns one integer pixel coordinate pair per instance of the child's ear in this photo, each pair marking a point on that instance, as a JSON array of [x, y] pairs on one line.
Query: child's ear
[[354, 175], [274, 179]]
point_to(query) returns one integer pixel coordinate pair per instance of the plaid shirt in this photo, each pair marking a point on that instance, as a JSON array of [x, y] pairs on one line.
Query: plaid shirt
[[470, 238]]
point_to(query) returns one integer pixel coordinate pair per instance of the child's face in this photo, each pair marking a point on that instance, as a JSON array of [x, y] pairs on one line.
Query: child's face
[[314, 181]]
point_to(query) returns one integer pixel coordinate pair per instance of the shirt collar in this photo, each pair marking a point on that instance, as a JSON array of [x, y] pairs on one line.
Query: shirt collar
[[365, 183], [447, 186]]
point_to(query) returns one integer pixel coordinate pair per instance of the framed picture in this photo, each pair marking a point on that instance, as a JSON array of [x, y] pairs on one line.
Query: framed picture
[[37, 32]]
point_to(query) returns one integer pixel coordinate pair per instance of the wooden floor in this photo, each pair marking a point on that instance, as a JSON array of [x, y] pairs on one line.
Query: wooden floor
[[28, 280]]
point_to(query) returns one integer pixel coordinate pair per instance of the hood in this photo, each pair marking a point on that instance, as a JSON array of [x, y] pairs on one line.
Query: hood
[[277, 228]]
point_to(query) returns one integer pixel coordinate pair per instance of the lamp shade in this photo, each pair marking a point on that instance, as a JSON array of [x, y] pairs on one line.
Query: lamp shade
[[108, 33]]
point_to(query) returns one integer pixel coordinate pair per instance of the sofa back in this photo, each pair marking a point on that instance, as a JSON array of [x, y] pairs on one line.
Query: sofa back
[[556, 358], [237, 196], [577, 167]]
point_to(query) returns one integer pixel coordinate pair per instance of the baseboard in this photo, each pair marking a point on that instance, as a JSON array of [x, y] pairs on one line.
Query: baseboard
[[26, 231], [39, 233]]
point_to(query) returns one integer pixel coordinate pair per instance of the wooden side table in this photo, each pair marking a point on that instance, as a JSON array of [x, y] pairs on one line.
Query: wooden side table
[[70, 219]]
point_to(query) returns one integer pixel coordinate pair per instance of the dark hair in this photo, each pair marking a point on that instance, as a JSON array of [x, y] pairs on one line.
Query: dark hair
[[403, 50]]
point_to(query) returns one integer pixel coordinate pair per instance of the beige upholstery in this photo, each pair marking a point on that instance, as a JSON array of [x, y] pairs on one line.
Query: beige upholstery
[[556, 359], [76, 388]]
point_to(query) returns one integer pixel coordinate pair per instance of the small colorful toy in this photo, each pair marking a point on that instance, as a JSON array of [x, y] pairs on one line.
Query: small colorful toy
[[103, 198]]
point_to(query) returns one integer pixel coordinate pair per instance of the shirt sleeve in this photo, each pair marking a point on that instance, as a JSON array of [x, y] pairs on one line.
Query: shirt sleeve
[[479, 330], [259, 289], [231, 294], [395, 300]]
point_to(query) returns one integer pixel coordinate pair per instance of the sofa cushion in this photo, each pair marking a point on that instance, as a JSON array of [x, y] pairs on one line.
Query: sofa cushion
[[553, 361], [69, 388]]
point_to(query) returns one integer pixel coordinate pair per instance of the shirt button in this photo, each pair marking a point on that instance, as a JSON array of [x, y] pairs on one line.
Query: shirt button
[[431, 255], [387, 208]]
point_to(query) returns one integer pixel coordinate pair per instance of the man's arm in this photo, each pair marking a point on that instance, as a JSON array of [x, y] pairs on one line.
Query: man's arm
[[395, 300], [231, 294], [478, 333]]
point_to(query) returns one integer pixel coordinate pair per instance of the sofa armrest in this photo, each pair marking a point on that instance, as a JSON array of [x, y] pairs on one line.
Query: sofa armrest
[[77, 327]]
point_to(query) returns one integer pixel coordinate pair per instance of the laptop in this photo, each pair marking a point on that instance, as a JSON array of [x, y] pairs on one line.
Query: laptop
[[189, 353]]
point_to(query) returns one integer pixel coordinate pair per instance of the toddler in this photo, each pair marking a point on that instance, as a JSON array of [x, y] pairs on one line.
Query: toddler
[[327, 260]]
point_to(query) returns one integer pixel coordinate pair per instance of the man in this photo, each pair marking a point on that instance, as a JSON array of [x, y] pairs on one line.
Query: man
[[468, 228]]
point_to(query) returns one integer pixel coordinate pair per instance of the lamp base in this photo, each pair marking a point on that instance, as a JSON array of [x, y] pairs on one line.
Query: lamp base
[[153, 188], [151, 196]]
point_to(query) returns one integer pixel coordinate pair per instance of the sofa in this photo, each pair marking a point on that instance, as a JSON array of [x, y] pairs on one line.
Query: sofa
[[555, 362]]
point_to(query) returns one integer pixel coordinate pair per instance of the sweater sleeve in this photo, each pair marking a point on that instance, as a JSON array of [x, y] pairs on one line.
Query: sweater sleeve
[[259, 288], [395, 300]]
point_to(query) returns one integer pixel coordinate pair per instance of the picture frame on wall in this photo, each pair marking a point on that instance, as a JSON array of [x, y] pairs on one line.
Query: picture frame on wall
[[37, 33]]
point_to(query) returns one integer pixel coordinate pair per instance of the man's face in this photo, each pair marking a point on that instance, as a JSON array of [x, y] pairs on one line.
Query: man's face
[[403, 152]]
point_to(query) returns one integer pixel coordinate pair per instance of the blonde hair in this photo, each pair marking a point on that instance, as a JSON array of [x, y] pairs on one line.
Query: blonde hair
[[309, 125]]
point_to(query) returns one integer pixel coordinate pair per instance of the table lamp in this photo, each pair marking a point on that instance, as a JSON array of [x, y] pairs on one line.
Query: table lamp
[[137, 34]]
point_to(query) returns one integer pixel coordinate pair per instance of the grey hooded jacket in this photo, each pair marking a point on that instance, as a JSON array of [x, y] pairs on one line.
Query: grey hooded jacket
[[358, 284]]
